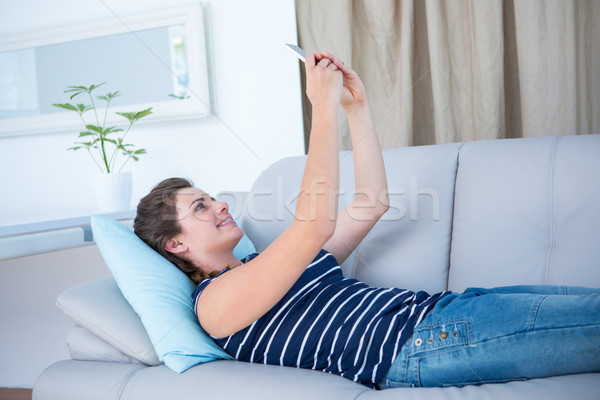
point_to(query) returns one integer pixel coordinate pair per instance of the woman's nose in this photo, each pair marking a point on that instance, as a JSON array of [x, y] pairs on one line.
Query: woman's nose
[[221, 207]]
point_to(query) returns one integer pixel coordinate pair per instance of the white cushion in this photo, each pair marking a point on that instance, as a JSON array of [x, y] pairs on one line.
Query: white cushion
[[408, 248], [100, 308], [84, 345], [527, 212], [575, 253]]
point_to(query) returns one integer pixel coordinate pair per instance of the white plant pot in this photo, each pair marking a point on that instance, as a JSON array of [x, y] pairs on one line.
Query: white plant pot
[[113, 191]]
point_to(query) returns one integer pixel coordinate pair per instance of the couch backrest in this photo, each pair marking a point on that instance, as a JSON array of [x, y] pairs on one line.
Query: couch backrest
[[408, 248], [527, 211], [484, 213]]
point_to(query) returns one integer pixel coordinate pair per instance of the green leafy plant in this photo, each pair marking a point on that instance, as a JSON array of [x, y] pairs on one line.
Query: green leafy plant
[[104, 144], [179, 97]]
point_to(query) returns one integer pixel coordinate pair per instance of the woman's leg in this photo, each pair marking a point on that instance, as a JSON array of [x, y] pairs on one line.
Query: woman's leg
[[484, 336], [538, 289]]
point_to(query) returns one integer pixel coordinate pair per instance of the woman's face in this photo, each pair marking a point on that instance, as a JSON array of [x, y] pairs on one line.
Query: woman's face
[[207, 228]]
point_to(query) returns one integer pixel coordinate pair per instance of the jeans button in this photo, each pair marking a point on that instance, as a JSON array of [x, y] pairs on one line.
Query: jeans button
[[418, 342], [455, 334], [443, 335], [430, 340]]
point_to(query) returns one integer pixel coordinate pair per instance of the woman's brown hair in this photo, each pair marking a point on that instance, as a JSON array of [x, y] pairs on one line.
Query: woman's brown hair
[[156, 223]]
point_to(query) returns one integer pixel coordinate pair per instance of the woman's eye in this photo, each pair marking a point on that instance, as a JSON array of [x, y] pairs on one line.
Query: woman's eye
[[201, 206]]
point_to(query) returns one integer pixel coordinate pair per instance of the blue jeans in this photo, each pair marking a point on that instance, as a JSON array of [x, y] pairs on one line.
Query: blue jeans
[[502, 334]]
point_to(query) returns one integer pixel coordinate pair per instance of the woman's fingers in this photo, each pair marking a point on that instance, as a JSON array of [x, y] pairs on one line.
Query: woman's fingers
[[324, 81], [339, 63], [353, 89], [329, 55], [312, 60], [325, 59], [325, 62]]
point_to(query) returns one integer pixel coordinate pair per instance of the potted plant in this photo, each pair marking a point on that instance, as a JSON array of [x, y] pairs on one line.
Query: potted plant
[[107, 147]]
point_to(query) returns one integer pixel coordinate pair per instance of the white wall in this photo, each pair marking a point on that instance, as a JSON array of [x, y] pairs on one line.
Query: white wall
[[259, 121], [32, 329]]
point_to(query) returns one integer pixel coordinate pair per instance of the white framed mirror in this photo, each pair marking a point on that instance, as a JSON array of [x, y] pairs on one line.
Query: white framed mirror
[[155, 58]]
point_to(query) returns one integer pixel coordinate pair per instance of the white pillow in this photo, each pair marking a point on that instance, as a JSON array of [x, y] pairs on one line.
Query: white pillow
[[101, 309]]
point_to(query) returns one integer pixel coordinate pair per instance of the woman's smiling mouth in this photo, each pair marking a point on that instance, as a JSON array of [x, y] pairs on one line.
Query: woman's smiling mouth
[[227, 221]]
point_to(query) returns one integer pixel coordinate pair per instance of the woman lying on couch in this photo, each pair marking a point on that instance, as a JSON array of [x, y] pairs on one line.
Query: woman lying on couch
[[291, 305]]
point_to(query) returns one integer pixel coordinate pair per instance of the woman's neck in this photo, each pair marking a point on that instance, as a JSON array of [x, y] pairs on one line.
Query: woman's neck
[[217, 263]]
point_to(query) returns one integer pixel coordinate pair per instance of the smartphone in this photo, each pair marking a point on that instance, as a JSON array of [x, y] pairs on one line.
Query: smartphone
[[298, 52]]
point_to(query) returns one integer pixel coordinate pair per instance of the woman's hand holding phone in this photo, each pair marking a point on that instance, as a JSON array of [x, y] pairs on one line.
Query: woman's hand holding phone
[[353, 92], [324, 82]]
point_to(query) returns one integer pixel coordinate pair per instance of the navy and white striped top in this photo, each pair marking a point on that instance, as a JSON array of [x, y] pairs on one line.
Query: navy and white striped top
[[330, 323]]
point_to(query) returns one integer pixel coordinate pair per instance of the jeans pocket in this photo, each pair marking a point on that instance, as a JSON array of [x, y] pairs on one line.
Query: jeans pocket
[[439, 337]]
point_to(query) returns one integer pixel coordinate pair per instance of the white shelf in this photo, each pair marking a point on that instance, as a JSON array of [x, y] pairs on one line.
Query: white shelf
[[31, 238]]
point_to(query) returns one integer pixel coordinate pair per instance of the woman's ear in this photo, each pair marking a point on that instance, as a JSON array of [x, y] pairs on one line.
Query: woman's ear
[[175, 246]]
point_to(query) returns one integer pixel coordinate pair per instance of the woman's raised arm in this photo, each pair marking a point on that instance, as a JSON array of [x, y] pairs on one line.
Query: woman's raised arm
[[371, 199], [236, 299]]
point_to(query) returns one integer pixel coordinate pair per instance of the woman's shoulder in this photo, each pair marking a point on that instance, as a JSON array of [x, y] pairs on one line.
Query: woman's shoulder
[[202, 285], [323, 259], [322, 254]]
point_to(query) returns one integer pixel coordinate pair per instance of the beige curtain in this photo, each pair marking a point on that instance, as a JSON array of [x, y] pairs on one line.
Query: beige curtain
[[439, 71]]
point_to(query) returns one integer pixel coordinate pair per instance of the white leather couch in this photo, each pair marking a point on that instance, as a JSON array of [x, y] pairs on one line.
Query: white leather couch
[[485, 213]]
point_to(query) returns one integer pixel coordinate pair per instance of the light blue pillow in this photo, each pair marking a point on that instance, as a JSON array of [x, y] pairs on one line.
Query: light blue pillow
[[159, 293]]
